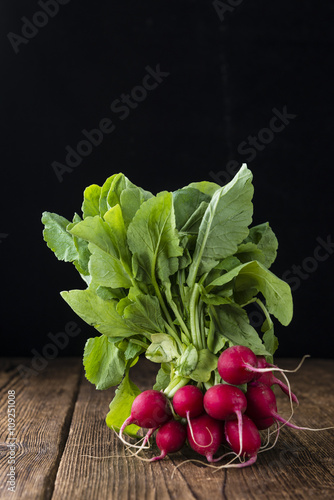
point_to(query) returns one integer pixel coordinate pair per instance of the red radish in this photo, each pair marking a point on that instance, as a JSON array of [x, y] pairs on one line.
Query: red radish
[[150, 409], [188, 401], [170, 438], [261, 404], [251, 440], [269, 379], [207, 435], [235, 365], [261, 363], [264, 423], [226, 402]]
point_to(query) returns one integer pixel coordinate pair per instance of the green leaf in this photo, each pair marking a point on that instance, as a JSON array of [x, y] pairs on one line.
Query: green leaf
[[192, 224], [153, 239], [162, 349], [185, 259], [95, 230], [107, 293], [106, 270], [215, 299], [104, 363], [254, 277], [57, 238], [99, 313], [130, 200], [270, 341], [232, 322], [145, 314], [81, 263], [226, 277], [228, 264], [103, 203], [186, 201], [224, 225], [132, 351], [118, 185], [224, 265], [207, 362], [261, 244], [220, 342], [162, 380], [205, 187], [91, 202], [120, 406], [276, 291], [249, 251], [115, 220], [187, 362]]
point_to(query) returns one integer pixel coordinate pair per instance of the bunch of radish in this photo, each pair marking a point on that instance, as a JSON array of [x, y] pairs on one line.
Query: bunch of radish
[[225, 415]]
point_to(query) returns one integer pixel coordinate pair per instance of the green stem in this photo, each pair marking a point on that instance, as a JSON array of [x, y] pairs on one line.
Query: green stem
[[174, 335], [174, 385], [180, 276], [263, 307], [251, 301], [211, 335], [265, 310], [176, 311], [139, 342], [202, 325], [162, 302], [203, 278], [194, 320], [207, 385]]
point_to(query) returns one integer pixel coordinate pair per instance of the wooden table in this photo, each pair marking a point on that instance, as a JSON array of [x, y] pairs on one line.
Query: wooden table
[[60, 419]]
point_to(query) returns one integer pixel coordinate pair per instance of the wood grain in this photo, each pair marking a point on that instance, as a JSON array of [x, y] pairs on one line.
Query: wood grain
[[44, 407], [54, 462]]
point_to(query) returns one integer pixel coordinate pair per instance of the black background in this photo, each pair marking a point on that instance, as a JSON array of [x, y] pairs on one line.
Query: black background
[[225, 78]]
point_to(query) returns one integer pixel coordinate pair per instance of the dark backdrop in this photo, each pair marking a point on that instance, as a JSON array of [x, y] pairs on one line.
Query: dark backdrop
[[226, 70]]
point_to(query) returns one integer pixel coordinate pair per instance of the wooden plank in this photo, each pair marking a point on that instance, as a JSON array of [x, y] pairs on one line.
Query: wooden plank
[[299, 467], [44, 407]]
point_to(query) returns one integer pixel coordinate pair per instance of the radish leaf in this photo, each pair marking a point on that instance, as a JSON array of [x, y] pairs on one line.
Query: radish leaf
[[104, 363], [120, 406]]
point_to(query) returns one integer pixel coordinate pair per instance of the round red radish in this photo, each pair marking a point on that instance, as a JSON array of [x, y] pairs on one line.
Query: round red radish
[[235, 365], [150, 409], [269, 379], [261, 363], [261, 401], [205, 435], [261, 404], [170, 438], [224, 402], [264, 423], [251, 440], [188, 401]]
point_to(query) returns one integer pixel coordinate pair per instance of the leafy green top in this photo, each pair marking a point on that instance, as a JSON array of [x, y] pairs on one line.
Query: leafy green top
[[171, 276]]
